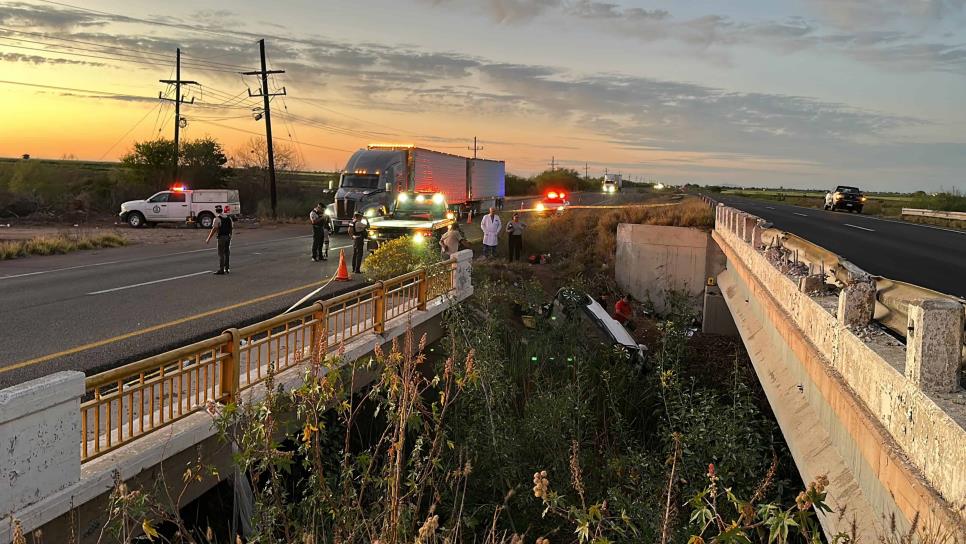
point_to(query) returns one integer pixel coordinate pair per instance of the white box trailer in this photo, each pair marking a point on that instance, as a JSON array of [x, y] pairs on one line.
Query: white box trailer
[[487, 179]]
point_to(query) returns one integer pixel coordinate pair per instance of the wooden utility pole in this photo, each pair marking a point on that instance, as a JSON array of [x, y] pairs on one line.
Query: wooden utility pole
[[475, 147], [266, 96], [586, 171], [553, 164], [178, 99]]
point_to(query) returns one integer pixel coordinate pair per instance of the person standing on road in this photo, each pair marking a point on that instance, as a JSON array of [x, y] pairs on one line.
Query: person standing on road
[[223, 226], [450, 242], [321, 227], [359, 230], [491, 226], [515, 245]]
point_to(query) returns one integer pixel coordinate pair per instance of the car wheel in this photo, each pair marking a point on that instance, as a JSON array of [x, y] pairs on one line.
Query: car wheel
[[136, 220], [205, 220]]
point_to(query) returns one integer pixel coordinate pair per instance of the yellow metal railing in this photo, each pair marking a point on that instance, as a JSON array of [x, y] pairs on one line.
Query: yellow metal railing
[[125, 403]]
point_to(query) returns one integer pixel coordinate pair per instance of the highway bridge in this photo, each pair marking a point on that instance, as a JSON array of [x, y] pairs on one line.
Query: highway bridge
[[862, 370]]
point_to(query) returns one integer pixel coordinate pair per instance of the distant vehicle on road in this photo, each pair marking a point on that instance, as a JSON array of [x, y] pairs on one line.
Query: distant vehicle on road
[[613, 183], [374, 176], [181, 205], [845, 198], [570, 303], [553, 202], [423, 216]]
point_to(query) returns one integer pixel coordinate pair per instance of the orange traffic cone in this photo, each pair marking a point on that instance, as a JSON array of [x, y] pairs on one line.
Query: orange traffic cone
[[342, 274]]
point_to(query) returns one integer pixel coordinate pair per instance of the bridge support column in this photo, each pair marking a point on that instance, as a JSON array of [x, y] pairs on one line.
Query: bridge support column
[[934, 345], [39, 430], [857, 304]]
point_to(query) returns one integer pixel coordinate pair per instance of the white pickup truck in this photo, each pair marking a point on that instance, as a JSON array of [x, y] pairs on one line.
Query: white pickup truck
[[181, 205]]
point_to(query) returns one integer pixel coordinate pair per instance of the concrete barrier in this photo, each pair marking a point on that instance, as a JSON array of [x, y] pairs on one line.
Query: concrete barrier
[[892, 413]]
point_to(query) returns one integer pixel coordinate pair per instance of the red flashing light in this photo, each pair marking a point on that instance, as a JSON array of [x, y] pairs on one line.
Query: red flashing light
[[180, 188], [562, 196], [552, 194]]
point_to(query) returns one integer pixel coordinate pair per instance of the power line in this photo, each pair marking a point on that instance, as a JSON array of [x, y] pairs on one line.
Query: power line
[[252, 132], [130, 130]]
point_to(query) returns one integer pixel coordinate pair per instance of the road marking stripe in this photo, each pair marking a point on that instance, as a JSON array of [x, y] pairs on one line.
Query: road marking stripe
[[111, 290], [139, 259], [56, 270], [139, 332], [858, 227], [769, 207], [801, 214]]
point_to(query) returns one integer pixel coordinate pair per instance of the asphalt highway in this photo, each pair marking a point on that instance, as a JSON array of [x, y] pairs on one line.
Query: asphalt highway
[[927, 256], [94, 310]]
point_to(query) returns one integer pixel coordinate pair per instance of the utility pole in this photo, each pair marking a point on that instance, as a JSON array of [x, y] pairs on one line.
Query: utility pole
[[586, 171], [475, 147], [266, 96], [553, 164], [177, 82]]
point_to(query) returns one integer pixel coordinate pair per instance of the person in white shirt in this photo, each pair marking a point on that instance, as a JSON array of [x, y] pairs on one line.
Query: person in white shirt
[[491, 226], [450, 242]]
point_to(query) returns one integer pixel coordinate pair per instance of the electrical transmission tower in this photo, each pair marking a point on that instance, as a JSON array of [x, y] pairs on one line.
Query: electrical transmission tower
[[178, 100], [266, 96]]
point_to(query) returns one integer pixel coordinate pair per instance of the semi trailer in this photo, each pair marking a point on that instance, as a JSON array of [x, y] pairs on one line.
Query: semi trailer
[[375, 176]]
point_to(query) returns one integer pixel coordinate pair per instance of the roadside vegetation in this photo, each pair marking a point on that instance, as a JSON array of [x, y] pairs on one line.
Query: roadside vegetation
[[58, 244]]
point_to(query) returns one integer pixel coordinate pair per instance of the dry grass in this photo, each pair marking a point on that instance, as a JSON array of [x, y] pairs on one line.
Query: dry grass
[[591, 234], [58, 244]]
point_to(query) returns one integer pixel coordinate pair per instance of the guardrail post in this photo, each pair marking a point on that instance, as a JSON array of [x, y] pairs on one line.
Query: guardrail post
[[857, 304], [750, 223], [422, 289], [756, 240], [379, 308], [231, 368], [320, 331], [934, 344]]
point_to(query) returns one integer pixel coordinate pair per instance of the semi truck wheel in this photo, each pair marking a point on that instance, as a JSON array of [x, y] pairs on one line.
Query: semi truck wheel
[[135, 219]]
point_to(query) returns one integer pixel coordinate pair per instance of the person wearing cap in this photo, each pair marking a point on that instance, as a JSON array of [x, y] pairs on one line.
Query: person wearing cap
[[321, 227], [223, 226], [359, 231]]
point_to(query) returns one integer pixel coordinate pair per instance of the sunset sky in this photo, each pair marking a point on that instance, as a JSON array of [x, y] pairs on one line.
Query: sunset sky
[[805, 93]]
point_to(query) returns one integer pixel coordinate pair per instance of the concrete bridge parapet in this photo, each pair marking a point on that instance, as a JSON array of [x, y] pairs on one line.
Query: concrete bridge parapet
[[893, 414]]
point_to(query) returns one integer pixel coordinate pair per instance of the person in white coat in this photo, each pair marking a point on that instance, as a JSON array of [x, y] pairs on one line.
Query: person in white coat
[[491, 226]]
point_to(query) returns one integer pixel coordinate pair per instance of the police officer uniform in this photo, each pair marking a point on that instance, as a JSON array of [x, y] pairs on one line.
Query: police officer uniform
[[225, 227], [359, 230]]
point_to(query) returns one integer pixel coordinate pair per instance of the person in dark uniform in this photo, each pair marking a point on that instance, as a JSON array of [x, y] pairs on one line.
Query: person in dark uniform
[[223, 227], [359, 230], [321, 227]]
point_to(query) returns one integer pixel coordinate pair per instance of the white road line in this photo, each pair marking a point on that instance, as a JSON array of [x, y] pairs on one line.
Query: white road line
[[148, 283], [801, 214], [858, 227], [140, 259], [769, 207], [55, 270]]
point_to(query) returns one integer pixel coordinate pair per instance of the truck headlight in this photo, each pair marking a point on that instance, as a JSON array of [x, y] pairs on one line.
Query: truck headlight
[[419, 238], [371, 212], [328, 211]]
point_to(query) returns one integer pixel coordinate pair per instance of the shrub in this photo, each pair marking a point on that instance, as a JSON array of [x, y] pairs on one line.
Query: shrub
[[396, 257], [57, 244]]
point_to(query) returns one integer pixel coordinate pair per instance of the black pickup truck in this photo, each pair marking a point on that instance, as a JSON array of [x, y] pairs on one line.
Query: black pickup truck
[[423, 216], [845, 198]]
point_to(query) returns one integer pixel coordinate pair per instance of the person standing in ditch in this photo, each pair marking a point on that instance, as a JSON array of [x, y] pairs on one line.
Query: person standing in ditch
[[623, 312], [321, 227], [491, 226], [223, 226], [515, 239], [359, 230]]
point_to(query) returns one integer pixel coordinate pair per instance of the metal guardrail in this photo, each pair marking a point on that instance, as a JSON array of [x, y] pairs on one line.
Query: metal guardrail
[[131, 401], [892, 297], [918, 212]]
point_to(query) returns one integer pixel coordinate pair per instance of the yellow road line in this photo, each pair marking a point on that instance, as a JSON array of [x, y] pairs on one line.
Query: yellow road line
[[125, 336]]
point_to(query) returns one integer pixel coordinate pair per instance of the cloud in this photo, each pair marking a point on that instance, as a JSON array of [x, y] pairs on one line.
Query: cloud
[[38, 60], [858, 14]]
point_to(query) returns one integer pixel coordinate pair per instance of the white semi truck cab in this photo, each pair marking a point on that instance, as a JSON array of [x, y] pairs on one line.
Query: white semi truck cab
[[612, 183], [181, 205]]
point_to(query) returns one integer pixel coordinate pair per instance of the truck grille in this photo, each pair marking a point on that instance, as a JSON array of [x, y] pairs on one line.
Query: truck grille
[[344, 208]]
